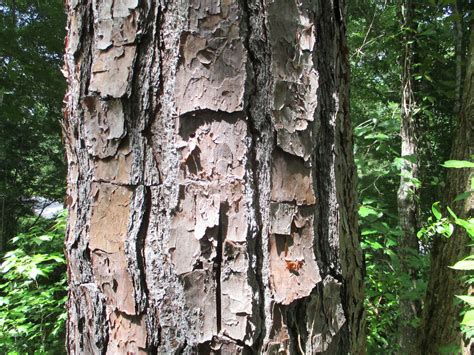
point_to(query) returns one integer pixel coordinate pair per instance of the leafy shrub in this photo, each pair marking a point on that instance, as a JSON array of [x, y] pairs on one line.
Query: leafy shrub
[[384, 279], [33, 290]]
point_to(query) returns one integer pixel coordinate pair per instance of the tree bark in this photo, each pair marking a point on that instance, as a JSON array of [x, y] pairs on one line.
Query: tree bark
[[441, 313], [459, 52], [211, 179], [407, 197]]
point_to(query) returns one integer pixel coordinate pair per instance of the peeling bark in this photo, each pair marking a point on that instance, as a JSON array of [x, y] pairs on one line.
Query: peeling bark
[[211, 179]]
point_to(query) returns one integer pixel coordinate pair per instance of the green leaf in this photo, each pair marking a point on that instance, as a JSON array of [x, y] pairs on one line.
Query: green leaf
[[375, 245], [365, 211], [4, 301], [391, 243], [467, 299], [58, 259], [445, 229], [462, 196], [380, 136], [468, 318], [458, 164], [464, 264], [45, 238], [436, 210], [451, 212], [369, 231], [35, 272], [468, 225]]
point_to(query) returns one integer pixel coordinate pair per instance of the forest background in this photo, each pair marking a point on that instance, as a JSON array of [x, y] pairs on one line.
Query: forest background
[[32, 162]]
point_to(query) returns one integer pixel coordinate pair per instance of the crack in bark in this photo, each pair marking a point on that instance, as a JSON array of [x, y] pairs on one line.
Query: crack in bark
[[155, 89], [85, 50], [255, 243], [218, 267], [258, 69], [121, 184]]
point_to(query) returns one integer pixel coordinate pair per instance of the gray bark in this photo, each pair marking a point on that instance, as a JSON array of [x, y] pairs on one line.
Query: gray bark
[[211, 179], [407, 197], [441, 312]]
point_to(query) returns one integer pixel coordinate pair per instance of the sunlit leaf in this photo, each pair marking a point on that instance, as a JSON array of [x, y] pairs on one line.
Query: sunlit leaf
[[458, 164], [365, 211], [468, 318], [436, 210], [467, 299], [464, 264]]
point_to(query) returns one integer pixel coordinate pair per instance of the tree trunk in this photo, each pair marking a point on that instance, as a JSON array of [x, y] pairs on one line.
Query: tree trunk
[[441, 313], [407, 191], [211, 179], [457, 9]]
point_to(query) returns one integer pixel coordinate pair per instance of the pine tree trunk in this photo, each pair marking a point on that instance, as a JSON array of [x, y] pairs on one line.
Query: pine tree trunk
[[211, 179], [407, 192], [441, 313]]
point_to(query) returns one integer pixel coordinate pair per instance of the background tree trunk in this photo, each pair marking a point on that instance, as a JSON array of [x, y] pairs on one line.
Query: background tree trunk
[[441, 311], [408, 198], [458, 23], [211, 179]]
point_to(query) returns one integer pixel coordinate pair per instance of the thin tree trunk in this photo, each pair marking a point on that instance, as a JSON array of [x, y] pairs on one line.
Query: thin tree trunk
[[211, 179], [408, 192], [441, 311], [459, 53]]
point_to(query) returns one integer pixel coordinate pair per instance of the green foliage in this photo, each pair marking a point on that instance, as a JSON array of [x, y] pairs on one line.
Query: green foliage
[[382, 282], [32, 271], [466, 264], [384, 279], [444, 226], [438, 225], [467, 323], [376, 43], [33, 290], [31, 92]]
